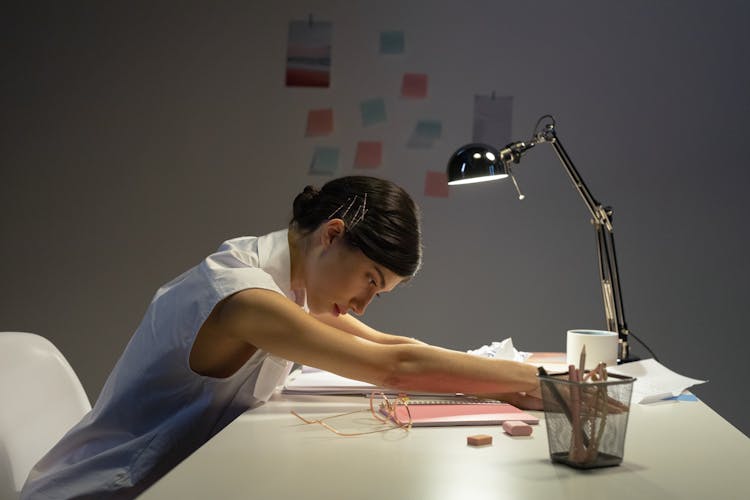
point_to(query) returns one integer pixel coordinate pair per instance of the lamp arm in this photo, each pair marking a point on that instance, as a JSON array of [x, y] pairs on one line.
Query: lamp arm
[[598, 212], [605, 243]]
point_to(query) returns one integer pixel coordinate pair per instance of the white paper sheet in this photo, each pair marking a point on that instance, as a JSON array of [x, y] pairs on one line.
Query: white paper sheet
[[308, 380], [654, 381]]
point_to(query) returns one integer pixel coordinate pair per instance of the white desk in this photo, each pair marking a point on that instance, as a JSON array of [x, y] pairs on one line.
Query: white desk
[[674, 450]]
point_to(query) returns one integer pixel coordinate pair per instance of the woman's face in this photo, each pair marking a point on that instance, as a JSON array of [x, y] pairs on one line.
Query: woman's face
[[340, 278]]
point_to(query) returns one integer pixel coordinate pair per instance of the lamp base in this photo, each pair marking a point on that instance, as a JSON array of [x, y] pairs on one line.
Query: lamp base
[[629, 359]]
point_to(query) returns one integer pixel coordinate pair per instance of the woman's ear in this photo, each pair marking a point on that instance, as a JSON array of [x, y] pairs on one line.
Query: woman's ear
[[331, 230]]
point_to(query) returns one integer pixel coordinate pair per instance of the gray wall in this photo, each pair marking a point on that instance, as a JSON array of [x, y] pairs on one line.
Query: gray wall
[[138, 136]]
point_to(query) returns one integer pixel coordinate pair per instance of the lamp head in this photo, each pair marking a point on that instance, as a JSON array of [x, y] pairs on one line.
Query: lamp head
[[475, 163]]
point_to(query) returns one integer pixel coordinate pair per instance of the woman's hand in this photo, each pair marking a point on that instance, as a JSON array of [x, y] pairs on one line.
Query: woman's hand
[[525, 400]]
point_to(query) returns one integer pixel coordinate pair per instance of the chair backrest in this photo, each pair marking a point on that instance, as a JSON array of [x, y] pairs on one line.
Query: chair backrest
[[41, 398]]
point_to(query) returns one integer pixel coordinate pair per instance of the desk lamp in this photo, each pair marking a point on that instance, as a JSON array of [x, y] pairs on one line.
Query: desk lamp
[[480, 162]]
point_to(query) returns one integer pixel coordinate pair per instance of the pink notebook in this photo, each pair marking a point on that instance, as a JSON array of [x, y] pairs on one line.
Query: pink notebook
[[430, 414]]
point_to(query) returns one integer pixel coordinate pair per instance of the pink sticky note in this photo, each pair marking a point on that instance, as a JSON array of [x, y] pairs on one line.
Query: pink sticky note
[[369, 154], [414, 85], [436, 184], [319, 122]]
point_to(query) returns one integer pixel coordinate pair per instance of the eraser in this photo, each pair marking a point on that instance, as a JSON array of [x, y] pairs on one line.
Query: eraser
[[479, 440], [517, 428]]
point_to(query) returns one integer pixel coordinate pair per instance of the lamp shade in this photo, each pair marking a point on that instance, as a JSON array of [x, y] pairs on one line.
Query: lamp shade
[[475, 163]]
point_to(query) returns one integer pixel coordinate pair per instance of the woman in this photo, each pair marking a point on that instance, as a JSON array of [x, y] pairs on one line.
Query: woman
[[217, 340]]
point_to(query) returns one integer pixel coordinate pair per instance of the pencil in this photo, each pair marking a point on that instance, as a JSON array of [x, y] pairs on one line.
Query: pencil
[[582, 362], [560, 401]]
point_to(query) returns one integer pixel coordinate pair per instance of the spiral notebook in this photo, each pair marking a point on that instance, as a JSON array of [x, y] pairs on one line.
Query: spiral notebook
[[426, 413]]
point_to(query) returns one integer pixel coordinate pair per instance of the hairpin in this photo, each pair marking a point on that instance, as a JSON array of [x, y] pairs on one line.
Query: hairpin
[[359, 212]]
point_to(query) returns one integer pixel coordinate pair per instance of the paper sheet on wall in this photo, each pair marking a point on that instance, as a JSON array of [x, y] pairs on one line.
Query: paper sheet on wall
[[308, 55], [493, 120], [654, 381]]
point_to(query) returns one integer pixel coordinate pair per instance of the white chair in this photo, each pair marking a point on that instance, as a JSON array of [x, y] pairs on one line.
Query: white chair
[[41, 398]]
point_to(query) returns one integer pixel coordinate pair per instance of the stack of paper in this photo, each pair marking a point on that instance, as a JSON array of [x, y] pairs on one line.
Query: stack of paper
[[308, 380]]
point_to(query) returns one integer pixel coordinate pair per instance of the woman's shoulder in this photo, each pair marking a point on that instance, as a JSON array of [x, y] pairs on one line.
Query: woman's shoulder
[[250, 248]]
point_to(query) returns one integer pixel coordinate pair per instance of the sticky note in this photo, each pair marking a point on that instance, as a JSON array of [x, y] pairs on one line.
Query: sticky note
[[436, 184], [319, 122], [369, 154], [325, 161], [683, 397], [373, 111], [493, 120], [429, 129], [414, 85], [425, 133], [392, 42]]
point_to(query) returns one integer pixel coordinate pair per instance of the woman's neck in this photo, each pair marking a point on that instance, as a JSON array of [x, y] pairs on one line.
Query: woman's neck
[[297, 253]]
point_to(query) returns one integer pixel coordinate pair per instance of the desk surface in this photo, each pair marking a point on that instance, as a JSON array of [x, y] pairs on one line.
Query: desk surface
[[674, 450]]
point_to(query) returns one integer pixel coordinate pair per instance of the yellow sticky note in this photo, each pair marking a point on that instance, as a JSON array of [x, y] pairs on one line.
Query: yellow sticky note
[[369, 154], [414, 85], [436, 184], [319, 122]]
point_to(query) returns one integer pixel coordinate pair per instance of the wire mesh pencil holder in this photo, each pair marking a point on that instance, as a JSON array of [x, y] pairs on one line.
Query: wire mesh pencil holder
[[586, 421]]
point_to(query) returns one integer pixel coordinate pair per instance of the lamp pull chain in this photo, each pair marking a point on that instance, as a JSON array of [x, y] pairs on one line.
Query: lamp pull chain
[[521, 196]]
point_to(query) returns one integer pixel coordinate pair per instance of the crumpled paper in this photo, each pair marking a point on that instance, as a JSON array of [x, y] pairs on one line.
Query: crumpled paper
[[501, 350]]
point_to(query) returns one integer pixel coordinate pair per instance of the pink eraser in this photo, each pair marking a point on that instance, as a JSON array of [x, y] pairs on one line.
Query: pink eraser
[[517, 428], [479, 440]]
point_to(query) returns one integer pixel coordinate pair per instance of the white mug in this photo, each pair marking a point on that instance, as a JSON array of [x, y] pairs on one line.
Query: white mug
[[601, 347]]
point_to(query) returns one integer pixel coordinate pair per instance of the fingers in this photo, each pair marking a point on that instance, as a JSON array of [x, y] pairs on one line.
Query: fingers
[[525, 401]]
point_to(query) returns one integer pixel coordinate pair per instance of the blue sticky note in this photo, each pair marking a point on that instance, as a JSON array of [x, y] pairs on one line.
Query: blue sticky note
[[392, 42], [684, 397], [429, 129], [373, 111], [325, 161], [425, 133]]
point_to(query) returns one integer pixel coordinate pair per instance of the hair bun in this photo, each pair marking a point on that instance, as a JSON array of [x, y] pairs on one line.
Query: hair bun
[[311, 191], [305, 201]]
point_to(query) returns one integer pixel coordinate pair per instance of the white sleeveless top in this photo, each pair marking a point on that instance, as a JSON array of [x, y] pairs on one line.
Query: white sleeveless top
[[154, 410]]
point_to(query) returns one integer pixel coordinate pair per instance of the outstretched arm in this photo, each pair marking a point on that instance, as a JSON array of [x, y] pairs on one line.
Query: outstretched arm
[[349, 323], [271, 322]]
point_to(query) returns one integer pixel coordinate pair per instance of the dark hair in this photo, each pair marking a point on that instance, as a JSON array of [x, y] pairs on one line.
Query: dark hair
[[388, 232]]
